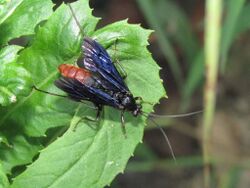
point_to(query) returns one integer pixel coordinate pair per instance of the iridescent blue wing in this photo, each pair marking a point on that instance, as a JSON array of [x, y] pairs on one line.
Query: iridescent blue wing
[[79, 91], [97, 60]]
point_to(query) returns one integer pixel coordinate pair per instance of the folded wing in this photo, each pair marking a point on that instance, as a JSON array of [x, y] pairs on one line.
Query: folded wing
[[97, 60], [79, 91]]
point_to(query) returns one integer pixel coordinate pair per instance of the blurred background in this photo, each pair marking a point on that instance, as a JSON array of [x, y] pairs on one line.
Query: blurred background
[[177, 45]]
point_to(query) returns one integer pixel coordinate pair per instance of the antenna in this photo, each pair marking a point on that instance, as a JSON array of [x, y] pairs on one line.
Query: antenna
[[165, 136], [168, 116], [176, 115], [74, 16]]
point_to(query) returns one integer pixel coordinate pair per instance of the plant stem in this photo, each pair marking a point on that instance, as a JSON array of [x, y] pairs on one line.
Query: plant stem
[[212, 41]]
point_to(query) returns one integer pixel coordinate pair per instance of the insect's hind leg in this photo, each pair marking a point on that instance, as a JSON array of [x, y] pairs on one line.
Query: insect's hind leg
[[123, 72], [116, 60], [99, 109]]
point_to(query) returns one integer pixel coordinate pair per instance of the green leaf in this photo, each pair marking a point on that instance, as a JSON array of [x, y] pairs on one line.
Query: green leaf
[[4, 182], [4, 140], [94, 157], [36, 113], [7, 8], [21, 151], [95, 153], [15, 80], [57, 42], [19, 17]]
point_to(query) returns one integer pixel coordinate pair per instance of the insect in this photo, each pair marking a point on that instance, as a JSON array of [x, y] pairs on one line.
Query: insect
[[97, 80]]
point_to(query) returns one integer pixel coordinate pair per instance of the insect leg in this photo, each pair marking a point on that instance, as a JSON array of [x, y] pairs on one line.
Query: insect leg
[[124, 74], [99, 110], [123, 124], [98, 114], [54, 94], [74, 16]]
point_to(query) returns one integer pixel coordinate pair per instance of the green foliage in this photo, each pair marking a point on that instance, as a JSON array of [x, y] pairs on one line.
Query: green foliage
[[234, 8], [19, 17], [95, 153], [3, 178], [15, 80], [21, 151]]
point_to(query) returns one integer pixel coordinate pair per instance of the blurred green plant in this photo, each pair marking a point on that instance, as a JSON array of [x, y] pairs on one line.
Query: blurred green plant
[[30, 126], [212, 50], [233, 11], [173, 27]]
